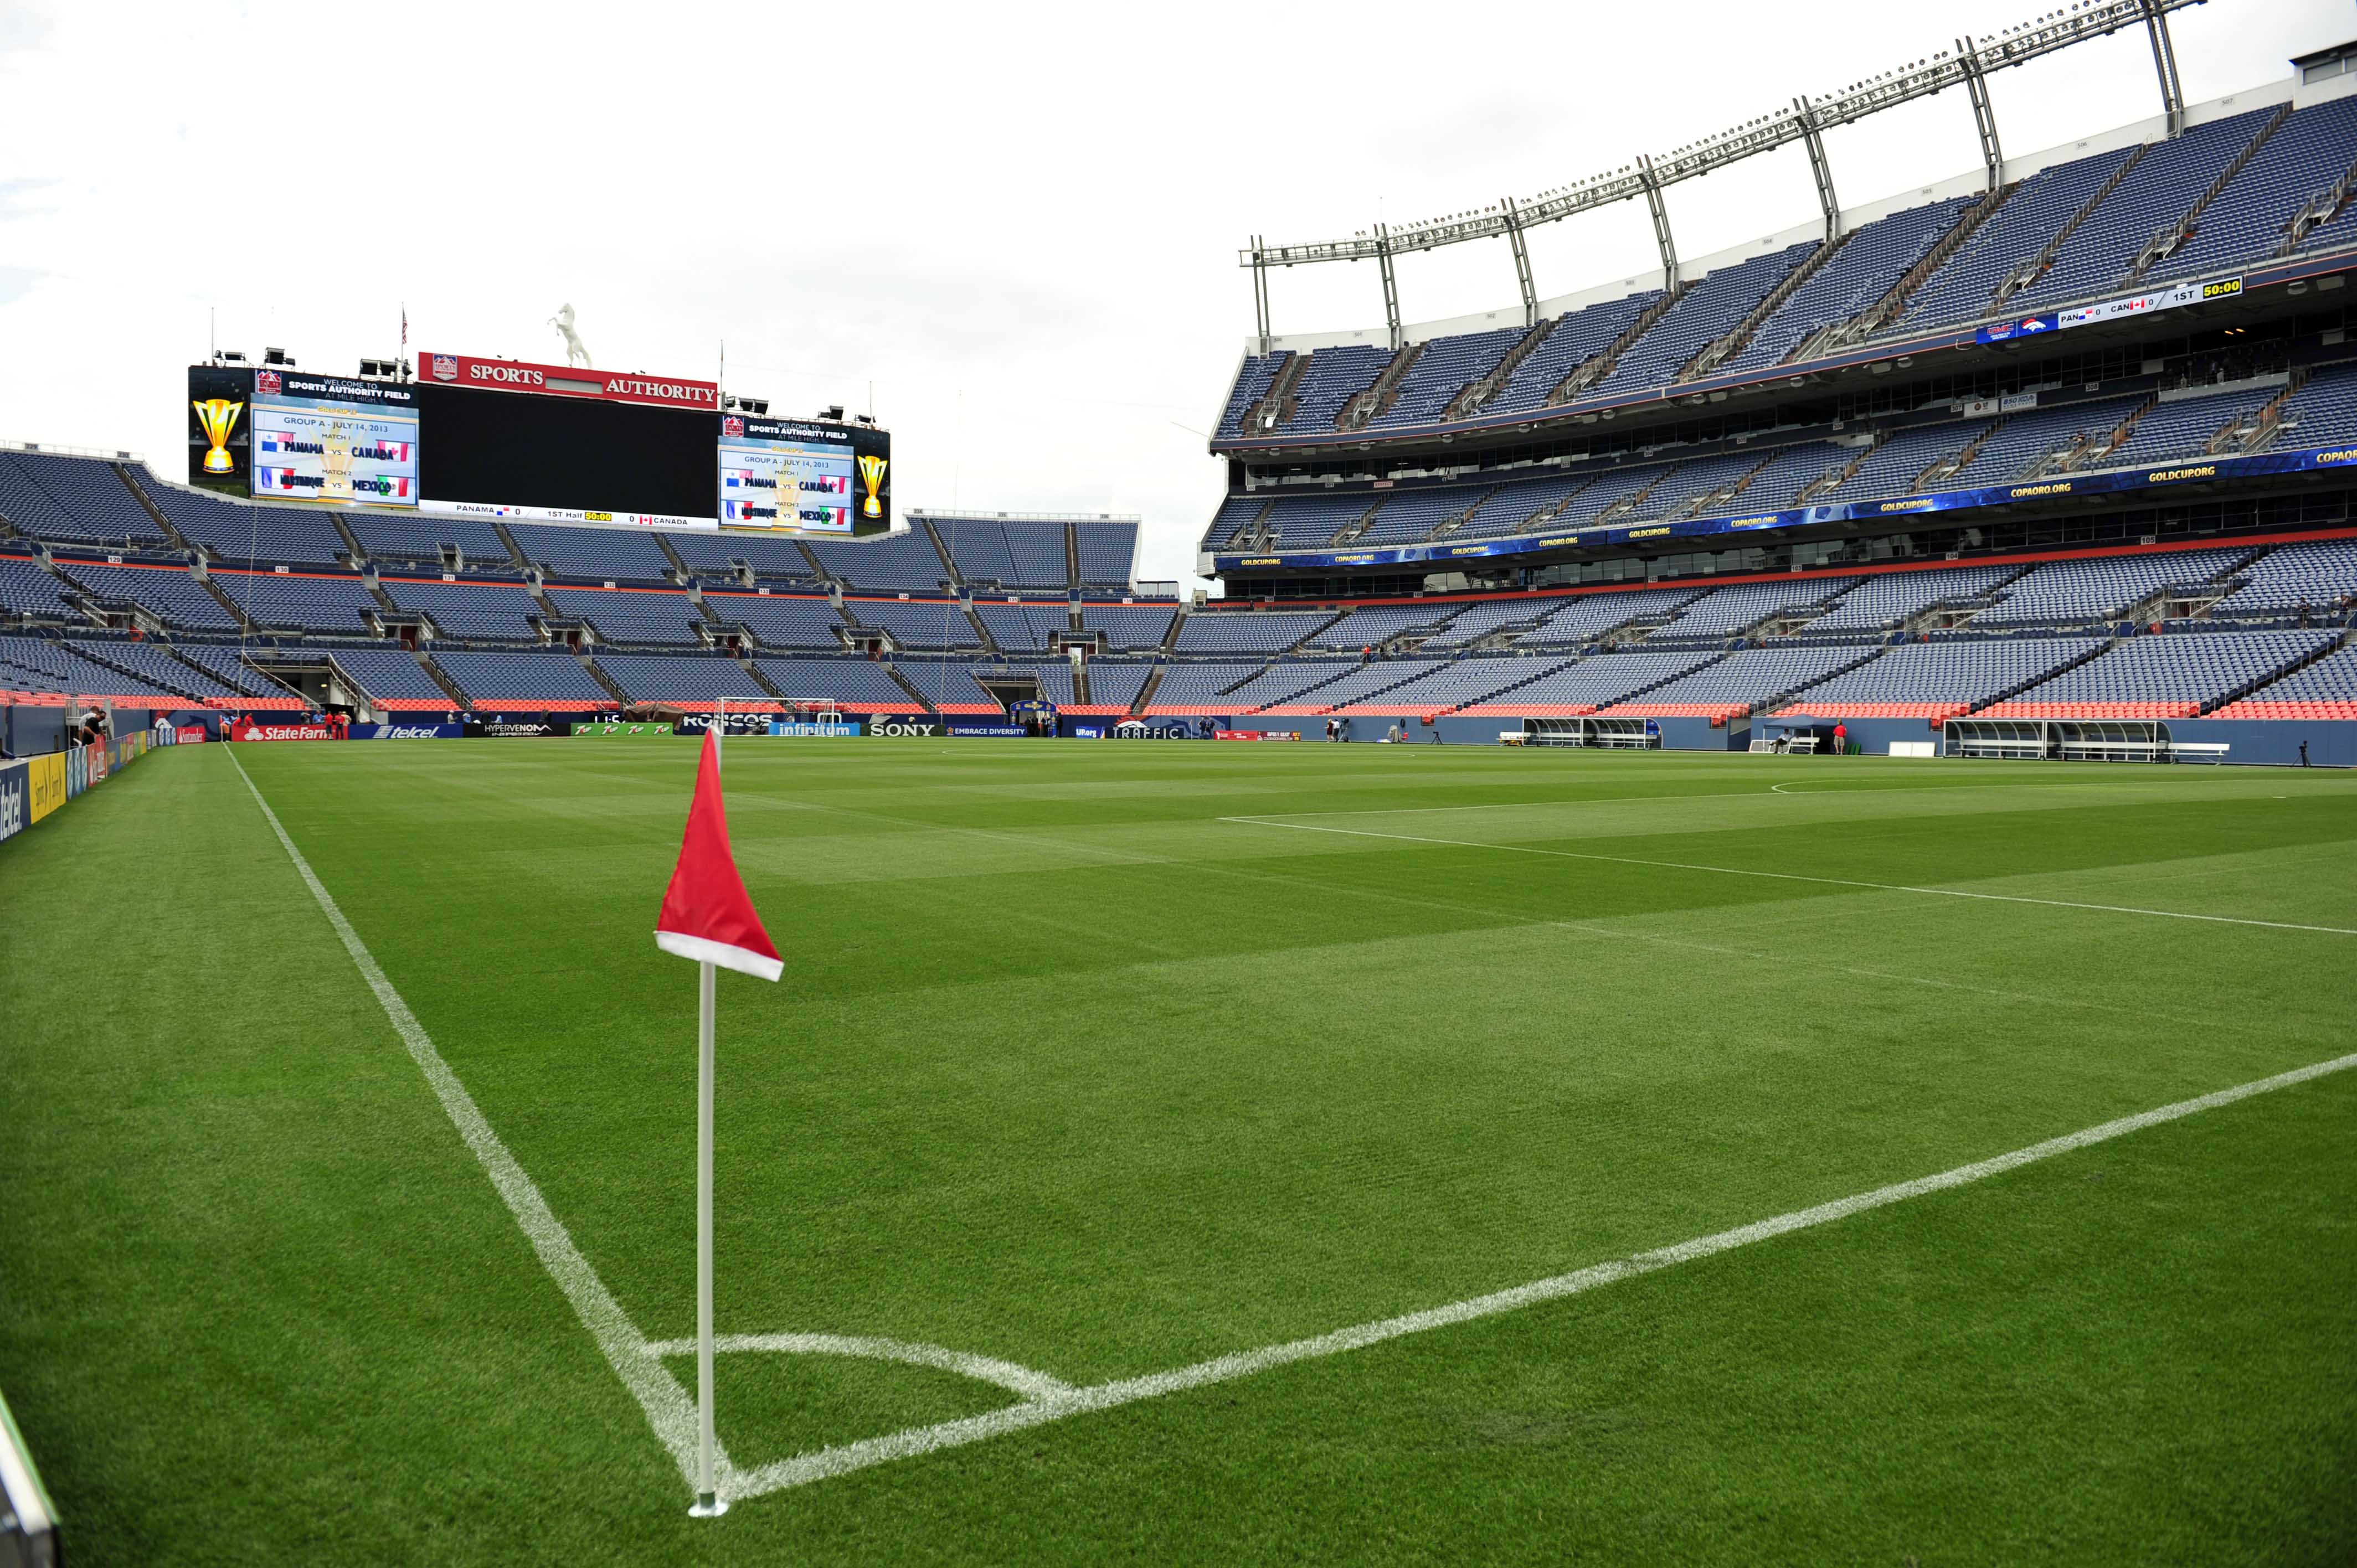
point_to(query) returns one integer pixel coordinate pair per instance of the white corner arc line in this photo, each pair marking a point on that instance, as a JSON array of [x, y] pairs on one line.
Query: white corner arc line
[[1024, 1380], [1797, 876], [805, 1469], [668, 1410]]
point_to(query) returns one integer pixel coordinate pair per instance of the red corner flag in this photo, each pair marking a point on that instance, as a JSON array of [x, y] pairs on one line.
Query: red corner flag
[[706, 914]]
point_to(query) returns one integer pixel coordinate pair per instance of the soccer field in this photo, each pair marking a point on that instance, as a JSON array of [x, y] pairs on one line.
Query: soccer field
[[1131, 1163]]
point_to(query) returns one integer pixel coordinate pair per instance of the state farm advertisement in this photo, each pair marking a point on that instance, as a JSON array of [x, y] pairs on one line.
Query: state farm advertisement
[[246, 729], [570, 380]]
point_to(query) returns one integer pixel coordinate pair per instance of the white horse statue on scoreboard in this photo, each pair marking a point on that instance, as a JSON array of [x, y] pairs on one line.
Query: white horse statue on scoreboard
[[575, 351]]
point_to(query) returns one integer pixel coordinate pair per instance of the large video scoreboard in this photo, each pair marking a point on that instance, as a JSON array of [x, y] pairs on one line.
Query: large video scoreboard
[[535, 444]]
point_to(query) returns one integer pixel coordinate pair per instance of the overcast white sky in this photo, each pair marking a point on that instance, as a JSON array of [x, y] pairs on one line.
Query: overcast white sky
[[1017, 222]]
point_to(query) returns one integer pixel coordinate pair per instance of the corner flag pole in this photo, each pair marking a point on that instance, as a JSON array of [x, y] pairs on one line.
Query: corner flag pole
[[707, 916], [709, 1504]]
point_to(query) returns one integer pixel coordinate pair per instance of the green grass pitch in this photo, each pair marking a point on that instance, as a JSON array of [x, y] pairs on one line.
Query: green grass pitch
[[1072, 1069]]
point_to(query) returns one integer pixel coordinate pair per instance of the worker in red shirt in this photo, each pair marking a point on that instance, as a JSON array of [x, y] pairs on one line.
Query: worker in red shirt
[[1841, 739]]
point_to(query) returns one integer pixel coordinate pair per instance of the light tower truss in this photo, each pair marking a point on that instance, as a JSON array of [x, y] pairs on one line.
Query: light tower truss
[[1968, 66]]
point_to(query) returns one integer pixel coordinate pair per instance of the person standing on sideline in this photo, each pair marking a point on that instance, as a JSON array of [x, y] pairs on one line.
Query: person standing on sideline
[[1841, 739]]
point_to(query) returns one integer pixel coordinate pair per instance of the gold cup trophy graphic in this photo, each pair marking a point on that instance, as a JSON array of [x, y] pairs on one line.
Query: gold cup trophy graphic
[[871, 473], [218, 416]]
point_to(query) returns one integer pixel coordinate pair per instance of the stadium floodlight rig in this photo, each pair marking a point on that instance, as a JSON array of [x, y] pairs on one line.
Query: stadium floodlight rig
[[1968, 66]]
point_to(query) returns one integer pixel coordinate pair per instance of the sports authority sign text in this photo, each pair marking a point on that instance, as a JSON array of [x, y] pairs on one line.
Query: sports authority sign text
[[570, 380]]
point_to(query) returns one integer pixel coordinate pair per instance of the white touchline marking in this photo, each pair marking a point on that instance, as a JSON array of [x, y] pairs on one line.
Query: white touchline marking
[[668, 1410], [638, 1361], [1796, 877], [805, 1468], [1023, 1380]]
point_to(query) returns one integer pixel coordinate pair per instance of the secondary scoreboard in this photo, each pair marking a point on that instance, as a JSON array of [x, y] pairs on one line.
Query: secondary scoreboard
[[503, 438]]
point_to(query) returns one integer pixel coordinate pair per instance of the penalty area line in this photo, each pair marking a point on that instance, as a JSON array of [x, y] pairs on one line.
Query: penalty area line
[[842, 1460], [1796, 877]]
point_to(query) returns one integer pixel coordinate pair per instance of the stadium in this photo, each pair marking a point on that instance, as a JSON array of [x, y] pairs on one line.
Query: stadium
[[1789, 1000]]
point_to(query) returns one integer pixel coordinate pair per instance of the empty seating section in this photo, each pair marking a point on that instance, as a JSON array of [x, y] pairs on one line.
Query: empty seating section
[[1303, 522], [2156, 194], [2292, 578], [1334, 376], [1462, 682], [950, 687], [1476, 621], [175, 598], [419, 540], [30, 664], [1444, 367], [1577, 336], [1248, 631], [156, 667], [335, 605], [1713, 308], [1785, 474], [1372, 626], [712, 556], [1511, 507], [2309, 153], [1591, 683], [2166, 677], [2324, 690], [1743, 680], [1229, 521], [1369, 682], [2067, 593], [1023, 629], [1965, 288], [626, 615], [854, 683], [1129, 626], [1108, 553], [1590, 616], [468, 612], [1869, 264], [1114, 687], [979, 547], [26, 589], [1684, 490], [905, 559], [228, 666], [1252, 383], [2037, 437], [1895, 465], [777, 621], [1411, 515], [2184, 427], [1886, 600], [2321, 413], [681, 679], [391, 678], [73, 497], [1198, 688], [933, 624], [612, 554], [235, 533], [1936, 680], [1730, 611], [1288, 684], [524, 681]]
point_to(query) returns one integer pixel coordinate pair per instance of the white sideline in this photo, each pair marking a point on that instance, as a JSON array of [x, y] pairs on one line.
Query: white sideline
[[1796, 877], [638, 1362], [668, 1410]]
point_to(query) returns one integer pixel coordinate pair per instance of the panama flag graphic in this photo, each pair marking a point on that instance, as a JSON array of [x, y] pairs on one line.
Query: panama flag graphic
[[707, 916]]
